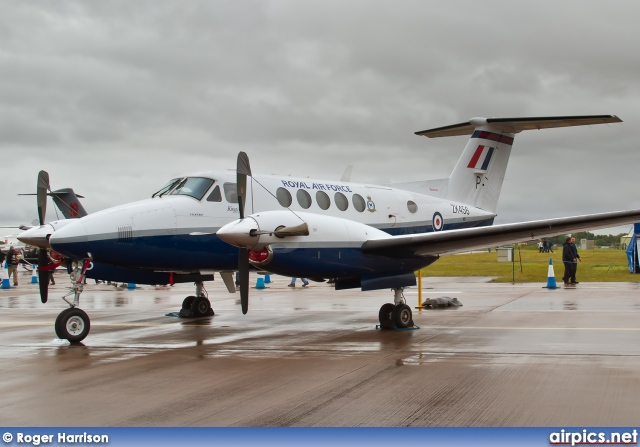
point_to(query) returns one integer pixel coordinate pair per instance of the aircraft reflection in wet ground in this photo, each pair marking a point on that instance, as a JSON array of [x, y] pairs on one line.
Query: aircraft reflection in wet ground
[[312, 357]]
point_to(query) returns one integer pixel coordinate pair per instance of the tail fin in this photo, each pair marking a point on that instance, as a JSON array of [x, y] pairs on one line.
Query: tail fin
[[67, 202], [477, 177]]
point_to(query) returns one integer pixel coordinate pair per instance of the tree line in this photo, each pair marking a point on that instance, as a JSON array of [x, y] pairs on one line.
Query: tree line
[[601, 240]]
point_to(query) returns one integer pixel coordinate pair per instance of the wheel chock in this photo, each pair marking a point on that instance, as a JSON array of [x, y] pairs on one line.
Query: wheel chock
[[186, 313]]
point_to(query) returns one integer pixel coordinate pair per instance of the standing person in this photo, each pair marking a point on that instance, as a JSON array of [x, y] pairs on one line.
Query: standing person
[[305, 283], [540, 245], [12, 264], [574, 250], [570, 259], [52, 261], [545, 246], [551, 244]]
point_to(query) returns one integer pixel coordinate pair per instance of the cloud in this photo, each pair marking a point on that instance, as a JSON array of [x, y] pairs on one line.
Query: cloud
[[115, 98]]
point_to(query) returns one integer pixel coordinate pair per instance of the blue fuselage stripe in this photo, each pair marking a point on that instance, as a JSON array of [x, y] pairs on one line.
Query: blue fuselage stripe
[[208, 252]]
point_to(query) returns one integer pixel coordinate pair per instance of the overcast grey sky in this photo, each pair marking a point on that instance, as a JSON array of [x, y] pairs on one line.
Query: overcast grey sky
[[113, 98]]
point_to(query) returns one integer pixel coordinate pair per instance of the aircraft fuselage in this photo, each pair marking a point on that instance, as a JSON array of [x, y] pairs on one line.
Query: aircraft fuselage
[[176, 232]]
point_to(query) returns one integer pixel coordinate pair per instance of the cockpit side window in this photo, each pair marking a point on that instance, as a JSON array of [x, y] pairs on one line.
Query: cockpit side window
[[166, 188], [215, 195], [231, 192], [195, 187]]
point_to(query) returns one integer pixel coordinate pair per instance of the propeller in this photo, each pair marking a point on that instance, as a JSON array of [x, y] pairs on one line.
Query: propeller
[[43, 257], [231, 235], [243, 170]]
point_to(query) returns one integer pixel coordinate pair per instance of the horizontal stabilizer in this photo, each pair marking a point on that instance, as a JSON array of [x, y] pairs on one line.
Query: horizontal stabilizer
[[516, 125], [59, 193]]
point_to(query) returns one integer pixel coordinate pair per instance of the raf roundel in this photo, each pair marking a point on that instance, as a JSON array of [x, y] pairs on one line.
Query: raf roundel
[[437, 221]]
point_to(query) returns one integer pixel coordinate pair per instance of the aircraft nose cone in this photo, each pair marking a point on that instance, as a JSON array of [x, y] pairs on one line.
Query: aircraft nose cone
[[37, 236], [238, 233], [70, 240]]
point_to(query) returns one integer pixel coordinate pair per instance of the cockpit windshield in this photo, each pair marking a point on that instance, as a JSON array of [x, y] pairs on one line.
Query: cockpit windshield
[[195, 187], [166, 188]]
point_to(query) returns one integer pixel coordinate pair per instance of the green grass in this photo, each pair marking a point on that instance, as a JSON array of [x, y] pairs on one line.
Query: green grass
[[598, 265]]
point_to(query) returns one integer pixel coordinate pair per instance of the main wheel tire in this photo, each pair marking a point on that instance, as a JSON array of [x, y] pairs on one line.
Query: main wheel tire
[[188, 301], [200, 306], [386, 316], [72, 324], [402, 316]]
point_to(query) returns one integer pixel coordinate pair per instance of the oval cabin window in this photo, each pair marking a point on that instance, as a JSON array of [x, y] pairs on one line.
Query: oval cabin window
[[284, 197], [358, 203], [304, 199], [341, 201], [323, 200]]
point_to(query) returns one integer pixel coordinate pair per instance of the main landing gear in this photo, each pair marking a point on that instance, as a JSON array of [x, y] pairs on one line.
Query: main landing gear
[[198, 305], [397, 314]]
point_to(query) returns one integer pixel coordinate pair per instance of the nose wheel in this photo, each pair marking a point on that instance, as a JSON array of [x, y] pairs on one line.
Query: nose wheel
[[72, 324]]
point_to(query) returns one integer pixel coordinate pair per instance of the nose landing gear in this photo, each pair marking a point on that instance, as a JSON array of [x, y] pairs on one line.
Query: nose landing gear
[[73, 324]]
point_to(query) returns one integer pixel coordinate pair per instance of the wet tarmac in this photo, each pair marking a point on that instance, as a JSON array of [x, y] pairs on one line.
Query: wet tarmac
[[513, 355]]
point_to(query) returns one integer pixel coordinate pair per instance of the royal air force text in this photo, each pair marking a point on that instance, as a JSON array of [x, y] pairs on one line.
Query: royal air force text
[[318, 186]]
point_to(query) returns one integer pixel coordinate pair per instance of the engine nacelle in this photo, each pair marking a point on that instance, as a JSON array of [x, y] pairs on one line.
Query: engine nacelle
[[330, 248], [259, 230]]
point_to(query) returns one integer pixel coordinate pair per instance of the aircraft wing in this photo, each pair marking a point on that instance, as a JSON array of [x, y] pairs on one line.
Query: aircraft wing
[[456, 241], [516, 125]]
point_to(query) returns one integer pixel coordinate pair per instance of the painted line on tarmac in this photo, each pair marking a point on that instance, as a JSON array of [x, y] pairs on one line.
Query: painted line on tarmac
[[509, 328], [48, 323], [432, 291], [504, 328]]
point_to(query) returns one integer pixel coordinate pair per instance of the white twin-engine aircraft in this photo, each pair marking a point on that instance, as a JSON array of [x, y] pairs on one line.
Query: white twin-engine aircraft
[[359, 235]]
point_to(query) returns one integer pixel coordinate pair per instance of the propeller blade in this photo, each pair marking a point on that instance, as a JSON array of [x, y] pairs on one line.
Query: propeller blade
[[41, 192], [243, 170], [243, 278], [43, 275]]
